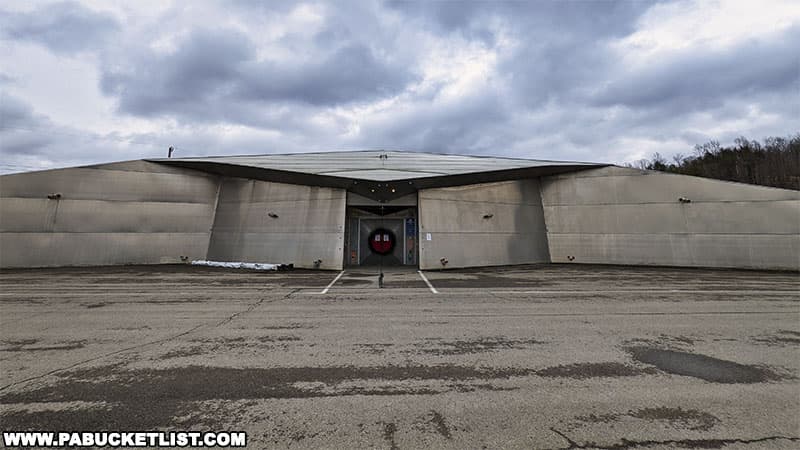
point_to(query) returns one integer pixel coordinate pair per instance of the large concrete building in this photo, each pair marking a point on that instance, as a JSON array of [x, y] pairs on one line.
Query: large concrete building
[[333, 210]]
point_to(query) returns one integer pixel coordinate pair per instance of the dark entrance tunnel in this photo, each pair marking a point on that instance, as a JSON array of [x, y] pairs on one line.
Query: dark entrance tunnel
[[381, 234]]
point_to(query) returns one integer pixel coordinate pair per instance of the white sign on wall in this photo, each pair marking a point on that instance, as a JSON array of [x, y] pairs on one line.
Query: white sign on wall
[[427, 236]]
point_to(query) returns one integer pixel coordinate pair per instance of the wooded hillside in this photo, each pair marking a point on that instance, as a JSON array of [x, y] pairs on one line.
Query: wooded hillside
[[775, 162]]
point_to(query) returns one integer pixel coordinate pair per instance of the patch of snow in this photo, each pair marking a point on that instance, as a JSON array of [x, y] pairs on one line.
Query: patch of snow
[[236, 265]]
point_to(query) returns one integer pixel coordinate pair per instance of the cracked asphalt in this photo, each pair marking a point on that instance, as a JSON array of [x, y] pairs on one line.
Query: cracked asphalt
[[541, 356]]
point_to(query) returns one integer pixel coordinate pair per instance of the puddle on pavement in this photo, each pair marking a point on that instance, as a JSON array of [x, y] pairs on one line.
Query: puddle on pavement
[[700, 366]]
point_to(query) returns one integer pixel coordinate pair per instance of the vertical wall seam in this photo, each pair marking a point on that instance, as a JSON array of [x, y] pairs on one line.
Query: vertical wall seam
[[213, 217], [343, 229], [546, 230], [553, 185], [420, 258]]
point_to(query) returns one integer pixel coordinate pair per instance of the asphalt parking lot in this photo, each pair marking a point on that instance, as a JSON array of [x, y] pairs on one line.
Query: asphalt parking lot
[[550, 356]]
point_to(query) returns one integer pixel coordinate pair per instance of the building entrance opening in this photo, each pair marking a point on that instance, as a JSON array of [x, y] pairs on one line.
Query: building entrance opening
[[381, 234]]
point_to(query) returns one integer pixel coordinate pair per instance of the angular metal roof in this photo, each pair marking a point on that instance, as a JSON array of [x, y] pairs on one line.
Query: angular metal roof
[[376, 165], [376, 173]]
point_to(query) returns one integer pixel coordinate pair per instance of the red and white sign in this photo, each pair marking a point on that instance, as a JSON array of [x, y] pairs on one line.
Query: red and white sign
[[382, 241]]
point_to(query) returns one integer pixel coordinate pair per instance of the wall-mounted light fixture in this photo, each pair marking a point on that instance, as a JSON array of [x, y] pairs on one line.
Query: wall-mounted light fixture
[[444, 261], [317, 263], [488, 216], [684, 200], [54, 196], [272, 214]]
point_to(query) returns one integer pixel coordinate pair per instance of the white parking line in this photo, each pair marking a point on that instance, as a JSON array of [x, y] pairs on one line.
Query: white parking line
[[325, 291], [433, 289]]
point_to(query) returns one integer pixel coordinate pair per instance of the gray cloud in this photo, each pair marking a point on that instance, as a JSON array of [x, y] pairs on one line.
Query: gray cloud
[[187, 81], [569, 52], [698, 80], [542, 80], [541, 23], [14, 112], [31, 141], [469, 125], [64, 27], [561, 48], [215, 75], [20, 129], [351, 73]]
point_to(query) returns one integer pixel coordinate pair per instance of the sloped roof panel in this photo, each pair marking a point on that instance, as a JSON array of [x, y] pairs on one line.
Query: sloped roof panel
[[376, 165], [380, 174]]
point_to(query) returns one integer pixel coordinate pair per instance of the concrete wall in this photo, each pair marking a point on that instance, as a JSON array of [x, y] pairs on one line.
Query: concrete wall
[[453, 216], [123, 213], [617, 215], [309, 226]]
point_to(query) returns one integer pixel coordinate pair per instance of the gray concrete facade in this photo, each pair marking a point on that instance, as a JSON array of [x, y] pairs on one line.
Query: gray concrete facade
[[140, 212], [488, 224], [123, 213], [261, 221], [617, 215]]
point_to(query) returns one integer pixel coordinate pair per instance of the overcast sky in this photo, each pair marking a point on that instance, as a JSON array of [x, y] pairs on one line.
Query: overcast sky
[[97, 81]]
